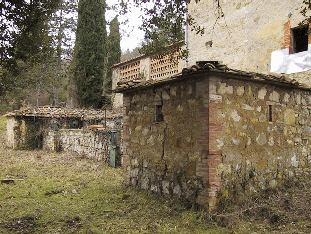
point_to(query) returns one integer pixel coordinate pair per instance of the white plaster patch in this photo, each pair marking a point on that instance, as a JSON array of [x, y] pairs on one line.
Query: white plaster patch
[[212, 88], [177, 190], [229, 90], [272, 183], [220, 143], [215, 97], [286, 97], [235, 141], [235, 116], [294, 161], [134, 162], [258, 109], [145, 184], [154, 188], [261, 139], [274, 96], [240, 90], [271, 141], [165, 187], [247, 107], [224, 89], [262, 93], [145, 131]]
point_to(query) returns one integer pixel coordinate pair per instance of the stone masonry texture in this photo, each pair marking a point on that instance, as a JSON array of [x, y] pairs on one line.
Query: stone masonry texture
[[214, 127]]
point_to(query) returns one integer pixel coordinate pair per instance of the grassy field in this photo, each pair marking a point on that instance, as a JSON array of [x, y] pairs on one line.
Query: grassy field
[[65, 193]]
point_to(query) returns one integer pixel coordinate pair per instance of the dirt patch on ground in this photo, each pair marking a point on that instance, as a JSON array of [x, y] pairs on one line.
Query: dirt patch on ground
[[22, 225], [73, 222]]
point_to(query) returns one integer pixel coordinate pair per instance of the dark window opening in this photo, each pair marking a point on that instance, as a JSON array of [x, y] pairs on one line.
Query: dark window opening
[[300, 39], [159, 114], [270, 113]]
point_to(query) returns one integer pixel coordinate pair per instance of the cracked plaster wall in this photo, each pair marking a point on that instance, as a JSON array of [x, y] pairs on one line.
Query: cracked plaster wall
[[247, 34]]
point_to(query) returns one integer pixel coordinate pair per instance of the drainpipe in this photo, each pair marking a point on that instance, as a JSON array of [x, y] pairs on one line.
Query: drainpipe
[[113, 148]]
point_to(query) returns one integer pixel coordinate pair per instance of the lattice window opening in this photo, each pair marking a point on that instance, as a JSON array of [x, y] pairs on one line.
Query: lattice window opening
[[162, 67], [130, 71]]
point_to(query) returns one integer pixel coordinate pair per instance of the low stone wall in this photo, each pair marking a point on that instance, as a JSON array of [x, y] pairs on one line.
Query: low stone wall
[[91, 144]]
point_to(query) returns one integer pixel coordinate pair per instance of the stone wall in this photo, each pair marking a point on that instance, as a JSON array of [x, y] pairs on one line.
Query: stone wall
[[162, 156], [91, 144], [24, 133], [199, 137], [36, 133], [265, 134]]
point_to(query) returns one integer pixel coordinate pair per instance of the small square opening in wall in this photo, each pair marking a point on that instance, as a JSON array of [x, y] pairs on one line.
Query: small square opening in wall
[[270, 114], [300, 39], [159, 114]]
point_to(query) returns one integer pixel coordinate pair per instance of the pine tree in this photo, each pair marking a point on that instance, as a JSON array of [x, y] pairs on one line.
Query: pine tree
[[89, 54], [114, 51]]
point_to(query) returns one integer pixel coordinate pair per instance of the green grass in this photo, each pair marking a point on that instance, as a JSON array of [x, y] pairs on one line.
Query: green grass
[[64, 193]]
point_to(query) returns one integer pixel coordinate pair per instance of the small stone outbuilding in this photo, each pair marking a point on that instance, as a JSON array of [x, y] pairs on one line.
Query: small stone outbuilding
[[85, 131], [195, 134]]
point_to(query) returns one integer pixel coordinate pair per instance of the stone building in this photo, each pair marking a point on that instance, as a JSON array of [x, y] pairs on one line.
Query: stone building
[[87, 132], [196, 134], [257, 36]]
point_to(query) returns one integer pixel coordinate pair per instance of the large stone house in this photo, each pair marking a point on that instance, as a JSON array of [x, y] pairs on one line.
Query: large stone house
[[211, 129], [257, 36]]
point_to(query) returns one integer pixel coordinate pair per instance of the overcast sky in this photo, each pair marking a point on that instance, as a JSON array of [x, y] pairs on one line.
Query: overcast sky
[[131, 35]]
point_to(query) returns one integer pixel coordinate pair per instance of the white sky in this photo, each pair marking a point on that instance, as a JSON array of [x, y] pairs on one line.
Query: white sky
[[131, 36]]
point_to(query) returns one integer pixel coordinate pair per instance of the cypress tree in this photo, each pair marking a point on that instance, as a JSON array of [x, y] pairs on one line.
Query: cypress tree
[[114, 51], [89, 54]]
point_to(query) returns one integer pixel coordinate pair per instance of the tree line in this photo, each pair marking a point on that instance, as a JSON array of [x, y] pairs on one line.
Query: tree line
[[36, 52], [38, 63]]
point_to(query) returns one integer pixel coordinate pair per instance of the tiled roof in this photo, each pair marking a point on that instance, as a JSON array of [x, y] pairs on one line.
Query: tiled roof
[[60, 112], [210, 67]]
